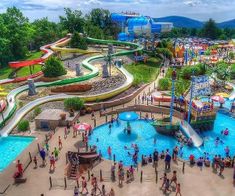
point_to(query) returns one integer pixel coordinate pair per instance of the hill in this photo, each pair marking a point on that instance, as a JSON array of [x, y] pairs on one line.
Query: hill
[[227, 24], [180, 21]]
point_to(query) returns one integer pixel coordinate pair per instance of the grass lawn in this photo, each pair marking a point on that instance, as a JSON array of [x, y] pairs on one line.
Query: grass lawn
[[144, 73], [24, 71], [4, 72]]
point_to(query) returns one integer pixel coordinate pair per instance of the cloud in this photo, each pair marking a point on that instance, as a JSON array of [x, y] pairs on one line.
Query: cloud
[[198, 9], [89, 2]]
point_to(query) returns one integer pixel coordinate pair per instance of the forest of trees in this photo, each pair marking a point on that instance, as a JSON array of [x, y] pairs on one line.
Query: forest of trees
[[209, 30], [18, 35]]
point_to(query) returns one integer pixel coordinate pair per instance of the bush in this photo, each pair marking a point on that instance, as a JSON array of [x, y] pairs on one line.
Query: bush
[[187, 71], [77, 41], [23, 125], [164, 84], [53, 68], [37, 111], [74, 103], [233, 71]]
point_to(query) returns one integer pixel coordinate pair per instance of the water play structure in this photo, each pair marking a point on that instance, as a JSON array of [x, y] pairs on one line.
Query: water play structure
[[134, 26]]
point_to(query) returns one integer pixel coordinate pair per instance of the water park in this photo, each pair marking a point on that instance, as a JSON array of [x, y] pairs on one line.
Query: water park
[[123, 113]]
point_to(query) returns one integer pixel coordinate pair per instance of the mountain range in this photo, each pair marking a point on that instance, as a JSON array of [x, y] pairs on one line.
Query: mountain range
[[180, 21]]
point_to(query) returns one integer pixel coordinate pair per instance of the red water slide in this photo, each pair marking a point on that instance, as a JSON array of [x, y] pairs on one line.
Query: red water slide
[[17, 64]]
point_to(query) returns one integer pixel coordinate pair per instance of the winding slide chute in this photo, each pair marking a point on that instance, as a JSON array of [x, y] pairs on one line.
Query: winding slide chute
[[94, 71]]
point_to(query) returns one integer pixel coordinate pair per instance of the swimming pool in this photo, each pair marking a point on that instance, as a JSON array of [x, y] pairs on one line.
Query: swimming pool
[[143, 134], [11, 147]]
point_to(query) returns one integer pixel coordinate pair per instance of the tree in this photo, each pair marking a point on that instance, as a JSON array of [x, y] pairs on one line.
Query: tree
[[78, 41], [210, 30], [45, 32], [99, 21], [74, 103], [16, 35], [72, 21], [53, 68]]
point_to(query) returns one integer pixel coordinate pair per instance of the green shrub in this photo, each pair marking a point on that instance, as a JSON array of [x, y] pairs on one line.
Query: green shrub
[[164, 84], [53, 68], [23, 125], [74, 103], [233, 71], [37, 111]]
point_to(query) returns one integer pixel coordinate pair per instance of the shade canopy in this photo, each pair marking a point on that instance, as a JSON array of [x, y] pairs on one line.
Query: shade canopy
[[217, 98], [128, 116], [83, 127]]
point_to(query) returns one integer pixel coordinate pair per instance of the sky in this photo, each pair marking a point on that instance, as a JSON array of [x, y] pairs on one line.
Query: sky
[[219, 10]]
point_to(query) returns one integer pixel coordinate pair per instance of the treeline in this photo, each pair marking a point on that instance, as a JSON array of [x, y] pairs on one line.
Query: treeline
[[18, 35], [209, 30]]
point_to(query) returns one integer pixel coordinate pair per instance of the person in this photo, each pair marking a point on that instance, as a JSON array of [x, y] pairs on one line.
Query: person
[[56, 153], [43, 156], [110, 128], [175, 153], [221, 164], [95, 186], [110, 152], [131, 169], [155, 140], [52, 161], [35, 160], [47, 147], [113, 169], [60, 142], [84, 185], [192, 159], [103, 190], [167, 161], [75, 133], [65, 132], [150, 159], [76, 191], [127, 176], [92, 115], [155, 158], [162, 155], [174, 178], [207, 162], [200, 162], [167, 186], [19, 167], [227, 151], [111, 193], [226, 132], [178, 191], [164, 178]]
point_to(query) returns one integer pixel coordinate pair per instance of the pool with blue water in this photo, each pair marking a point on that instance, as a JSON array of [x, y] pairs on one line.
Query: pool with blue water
[[143, 134], [11, 147]]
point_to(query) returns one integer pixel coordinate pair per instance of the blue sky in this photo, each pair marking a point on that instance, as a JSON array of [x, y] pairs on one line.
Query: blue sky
[[220, 10]]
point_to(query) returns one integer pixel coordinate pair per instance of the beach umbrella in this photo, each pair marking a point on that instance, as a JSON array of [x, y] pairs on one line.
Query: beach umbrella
[[217, 98], [83, 127], [224, 95]]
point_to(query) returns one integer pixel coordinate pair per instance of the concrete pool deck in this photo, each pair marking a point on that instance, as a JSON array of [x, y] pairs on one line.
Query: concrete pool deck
[[193, 182]]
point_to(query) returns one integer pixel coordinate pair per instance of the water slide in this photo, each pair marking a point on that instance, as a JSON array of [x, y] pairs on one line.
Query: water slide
[[10, 110], [191, 133], [17, 64]]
